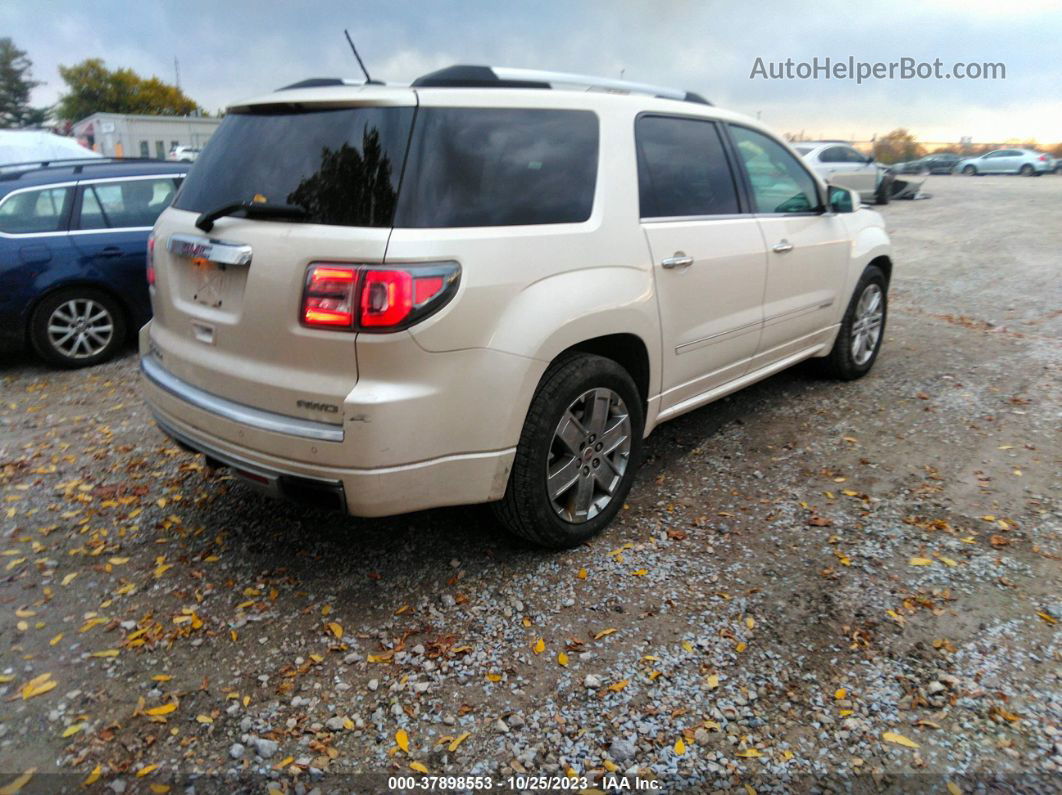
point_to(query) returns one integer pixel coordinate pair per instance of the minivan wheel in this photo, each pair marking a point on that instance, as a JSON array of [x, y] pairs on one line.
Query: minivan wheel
[[577, 454], [862, 329], [77, 327]]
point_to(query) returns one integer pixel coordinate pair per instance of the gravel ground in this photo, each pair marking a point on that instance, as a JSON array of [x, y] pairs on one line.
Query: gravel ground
[[813, 584]]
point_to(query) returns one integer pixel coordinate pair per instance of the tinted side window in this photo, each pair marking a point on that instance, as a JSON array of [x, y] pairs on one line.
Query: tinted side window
[[137, 202], [35, 211], [835, 154], [682, 168], [779, 183], [854, 156], [499, 167]]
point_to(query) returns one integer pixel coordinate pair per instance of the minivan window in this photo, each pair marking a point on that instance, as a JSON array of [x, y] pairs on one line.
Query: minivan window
[[682, 168], [499, 167], [340, 165], [33, 211], [780, 184]]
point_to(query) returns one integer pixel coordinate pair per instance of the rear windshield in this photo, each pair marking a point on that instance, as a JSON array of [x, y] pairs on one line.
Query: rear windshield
[[340, 165], [499, 167]]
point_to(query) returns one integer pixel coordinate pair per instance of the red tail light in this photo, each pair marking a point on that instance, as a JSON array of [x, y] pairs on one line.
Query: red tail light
[[1043, 158], [375, 299], [151, 259]]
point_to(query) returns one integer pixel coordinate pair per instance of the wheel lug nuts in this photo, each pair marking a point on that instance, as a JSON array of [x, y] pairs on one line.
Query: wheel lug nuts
[[598, 446], [597, 462]]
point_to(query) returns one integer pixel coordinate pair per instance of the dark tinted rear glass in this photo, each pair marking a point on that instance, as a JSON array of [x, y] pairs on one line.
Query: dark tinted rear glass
[[682, 168], [342, 166], [499, 167]]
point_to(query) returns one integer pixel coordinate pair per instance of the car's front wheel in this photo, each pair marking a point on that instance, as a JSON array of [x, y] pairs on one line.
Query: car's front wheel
[[862, 328], [77, 327], [577, 454], [970, 171]]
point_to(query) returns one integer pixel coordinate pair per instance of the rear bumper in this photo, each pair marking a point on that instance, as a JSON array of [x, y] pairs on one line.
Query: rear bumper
[[185, 414]]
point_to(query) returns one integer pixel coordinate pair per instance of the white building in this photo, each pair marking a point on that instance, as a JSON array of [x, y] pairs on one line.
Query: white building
[[133, 135]]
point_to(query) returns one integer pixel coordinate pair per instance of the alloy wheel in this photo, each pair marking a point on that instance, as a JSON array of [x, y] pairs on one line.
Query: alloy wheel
[[867, 323], [80, 328], [589, 454]]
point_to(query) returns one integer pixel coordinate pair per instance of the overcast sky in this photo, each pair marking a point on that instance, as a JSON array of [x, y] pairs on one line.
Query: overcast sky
[[230, 49]]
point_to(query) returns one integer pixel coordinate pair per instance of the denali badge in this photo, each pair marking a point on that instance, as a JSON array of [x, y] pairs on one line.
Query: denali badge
[[315, 406]]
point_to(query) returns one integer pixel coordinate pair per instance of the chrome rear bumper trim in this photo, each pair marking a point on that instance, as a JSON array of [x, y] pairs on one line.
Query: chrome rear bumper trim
[[237, 412]]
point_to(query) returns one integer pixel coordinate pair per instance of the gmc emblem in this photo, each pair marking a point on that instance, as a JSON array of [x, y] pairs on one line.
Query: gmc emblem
[[314, 406]]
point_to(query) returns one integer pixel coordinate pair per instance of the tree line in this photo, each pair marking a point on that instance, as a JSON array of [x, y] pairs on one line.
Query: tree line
[[91, 88]]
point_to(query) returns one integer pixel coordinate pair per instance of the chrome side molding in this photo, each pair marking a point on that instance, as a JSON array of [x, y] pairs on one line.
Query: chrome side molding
[[219, 251]]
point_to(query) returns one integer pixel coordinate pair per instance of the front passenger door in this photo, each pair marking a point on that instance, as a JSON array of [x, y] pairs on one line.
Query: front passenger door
[[807, 249]]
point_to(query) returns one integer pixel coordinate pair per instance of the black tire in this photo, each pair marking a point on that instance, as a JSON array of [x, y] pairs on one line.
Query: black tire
[[970, 171], [881, 195], [841, 363], [97, 349], [1026, 170], [526, 509]]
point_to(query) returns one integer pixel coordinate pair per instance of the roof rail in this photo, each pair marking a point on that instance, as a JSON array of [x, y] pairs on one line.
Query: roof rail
[[9, 171], [466, 76]]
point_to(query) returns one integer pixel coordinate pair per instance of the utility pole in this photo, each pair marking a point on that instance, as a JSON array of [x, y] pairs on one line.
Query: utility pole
[[177, 71]]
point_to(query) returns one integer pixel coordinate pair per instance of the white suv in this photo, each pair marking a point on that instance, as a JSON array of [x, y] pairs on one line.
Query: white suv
[[488, 287]]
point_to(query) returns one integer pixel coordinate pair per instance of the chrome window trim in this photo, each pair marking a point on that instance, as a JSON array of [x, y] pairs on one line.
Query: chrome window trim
[[663, 219], [27, 189], [238, 412]]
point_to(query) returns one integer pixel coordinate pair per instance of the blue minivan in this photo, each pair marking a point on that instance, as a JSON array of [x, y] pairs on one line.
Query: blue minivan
[[73, 241]]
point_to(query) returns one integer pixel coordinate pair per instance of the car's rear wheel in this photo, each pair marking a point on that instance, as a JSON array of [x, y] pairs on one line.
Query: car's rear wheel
[[1026, 170], [970, 171], [577, 454], [77, 327], [862, 328]]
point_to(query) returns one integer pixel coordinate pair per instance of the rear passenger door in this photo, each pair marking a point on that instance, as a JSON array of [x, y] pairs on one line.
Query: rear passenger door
[[111, 223], [807, 248], [710, 263]]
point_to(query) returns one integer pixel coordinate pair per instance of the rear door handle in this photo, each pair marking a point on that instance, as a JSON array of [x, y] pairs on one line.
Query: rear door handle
[[782, 247], [110, 251], [680, 260]]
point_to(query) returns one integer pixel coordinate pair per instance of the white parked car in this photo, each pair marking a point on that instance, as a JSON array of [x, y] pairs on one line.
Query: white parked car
[[187, 154], [1027, 162], [559, 272], [840, 163]]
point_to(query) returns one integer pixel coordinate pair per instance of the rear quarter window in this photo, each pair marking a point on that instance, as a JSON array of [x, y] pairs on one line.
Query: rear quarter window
[[499, 167]]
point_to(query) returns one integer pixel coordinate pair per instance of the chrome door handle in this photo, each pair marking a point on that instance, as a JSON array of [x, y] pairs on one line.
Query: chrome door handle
[[782, 247], [680, 260]]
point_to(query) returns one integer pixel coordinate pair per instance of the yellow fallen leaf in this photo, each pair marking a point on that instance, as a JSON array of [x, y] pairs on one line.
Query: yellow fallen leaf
[[526, 621], [493, 677], [118, 561], [618, 686], [419, 767], [687, 646], [204, 719], [164, 709], [748, 753], [146, 770], [840, 693], [539, 646], [458, 740], [680, 747], [283, 763], [335, 629], [750, 622], [92, 777], [581, 574], [609, 765], [713, 681], [378, 658], [953, 788], [1050, 619], [70, 731], [37, 686], [921, 561], [948, 561], [326, 610], [17, 784], [640, 572], [402, 739], [162, 677], [105, 653], [562, 659], [844, 713], [898, 739], [159, 789], [740, 647], [56, 639], [604, 633]]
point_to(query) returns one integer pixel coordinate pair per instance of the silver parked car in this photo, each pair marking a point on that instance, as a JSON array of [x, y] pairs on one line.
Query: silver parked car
[[1027, 162], [840, 163]]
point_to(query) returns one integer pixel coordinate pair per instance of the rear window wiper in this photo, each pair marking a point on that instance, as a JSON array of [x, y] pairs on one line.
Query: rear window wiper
[[249, 210]]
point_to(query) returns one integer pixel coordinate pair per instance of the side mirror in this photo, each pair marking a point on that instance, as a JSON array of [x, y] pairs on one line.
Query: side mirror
[[870, 159], [841, 200]]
